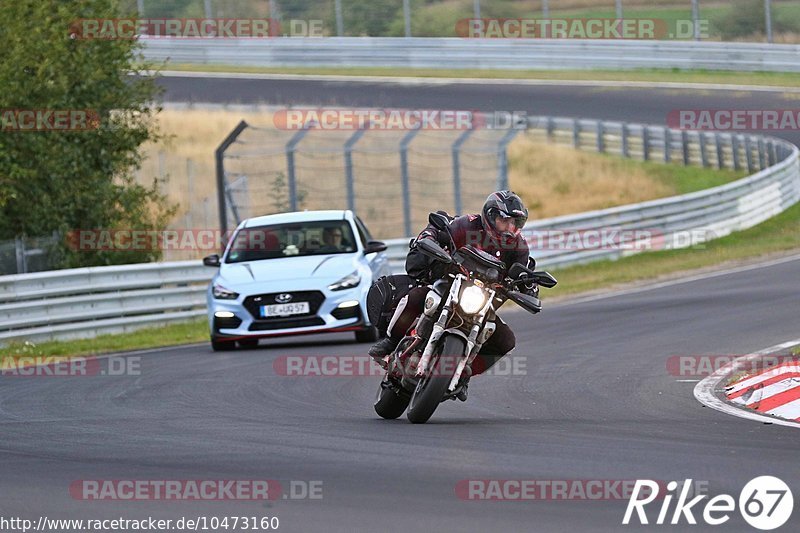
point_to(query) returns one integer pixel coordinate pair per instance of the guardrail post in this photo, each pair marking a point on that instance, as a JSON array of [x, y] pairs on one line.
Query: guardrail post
[[348, 167], [601, 145], [773, 156], [502, 159], [219, 155], [551, 127], [645, 143], [737, 165], [667, 146], [576, 133], [748, 148], [685, 147], [720, 154], [405, 179], [457, 169], [625, 148], [762, 153]]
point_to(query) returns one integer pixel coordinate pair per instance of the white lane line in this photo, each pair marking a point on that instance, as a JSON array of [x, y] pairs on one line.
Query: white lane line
[[415, 80], [705, 391]]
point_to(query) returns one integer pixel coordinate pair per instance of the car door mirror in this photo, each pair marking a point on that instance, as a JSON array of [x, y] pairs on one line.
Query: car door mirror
[[211, 260], [374, 246]]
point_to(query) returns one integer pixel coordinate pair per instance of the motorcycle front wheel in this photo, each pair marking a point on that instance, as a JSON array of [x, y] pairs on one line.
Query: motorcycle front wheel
[[432, 387]]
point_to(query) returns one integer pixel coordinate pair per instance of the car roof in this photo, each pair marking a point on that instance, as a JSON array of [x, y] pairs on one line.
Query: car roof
[[296, 216]]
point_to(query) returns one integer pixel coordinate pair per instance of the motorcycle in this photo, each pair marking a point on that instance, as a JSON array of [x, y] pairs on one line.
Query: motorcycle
[[432, 363]]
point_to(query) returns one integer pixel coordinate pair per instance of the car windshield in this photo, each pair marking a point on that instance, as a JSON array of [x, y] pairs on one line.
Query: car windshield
[[291, 240]]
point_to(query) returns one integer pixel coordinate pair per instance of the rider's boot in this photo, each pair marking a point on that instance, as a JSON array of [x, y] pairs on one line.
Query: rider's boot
[[382, 348]]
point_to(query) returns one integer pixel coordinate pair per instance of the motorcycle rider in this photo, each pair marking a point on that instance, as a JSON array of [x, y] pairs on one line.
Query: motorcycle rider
[[496, 230]]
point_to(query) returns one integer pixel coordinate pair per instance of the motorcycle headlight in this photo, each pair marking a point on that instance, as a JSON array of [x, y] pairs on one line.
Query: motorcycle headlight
[[221, 293], [347, 282], [472, 299]]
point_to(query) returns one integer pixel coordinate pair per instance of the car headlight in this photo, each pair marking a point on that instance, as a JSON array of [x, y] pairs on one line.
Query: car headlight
[[472, 299], [221, 293], [347, 282]]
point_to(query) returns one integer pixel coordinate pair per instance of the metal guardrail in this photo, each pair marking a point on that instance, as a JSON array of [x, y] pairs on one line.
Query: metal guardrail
[[89, 301], [462, 53]]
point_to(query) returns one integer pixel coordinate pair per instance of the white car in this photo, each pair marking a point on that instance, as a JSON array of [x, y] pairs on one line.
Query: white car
[[294, 273]]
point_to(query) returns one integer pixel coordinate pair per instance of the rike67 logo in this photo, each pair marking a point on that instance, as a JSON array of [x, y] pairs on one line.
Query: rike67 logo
[[765, 502]]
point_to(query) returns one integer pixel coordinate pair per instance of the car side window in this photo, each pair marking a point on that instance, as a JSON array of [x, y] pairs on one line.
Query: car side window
[[363, 233]]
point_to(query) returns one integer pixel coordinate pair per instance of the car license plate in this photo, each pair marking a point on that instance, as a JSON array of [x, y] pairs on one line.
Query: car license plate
[[294, 308]]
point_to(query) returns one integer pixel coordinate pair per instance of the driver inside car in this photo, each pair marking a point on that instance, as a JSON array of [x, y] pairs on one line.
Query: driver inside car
[[497, 230]]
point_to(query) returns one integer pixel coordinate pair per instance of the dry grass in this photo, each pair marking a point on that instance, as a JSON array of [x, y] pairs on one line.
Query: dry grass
[[556, 180]]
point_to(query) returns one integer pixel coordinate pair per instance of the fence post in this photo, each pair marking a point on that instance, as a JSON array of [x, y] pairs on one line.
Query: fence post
[[748, 148], [190, 189], [625, 148], [667, 146], [348, 167], [457, 169], [735, 152], [140, 8], [407, 17], [291, 147], [545, 9], [19, 248], [476, 8], [720, 155], [219, 155], [762, 153], [337, 6], [619, 9], [645, 143], [207, 9], [768, 19], [601, 145], [406, 182], [703, 151], [576, 133], [685, 147], [696, 19], [502, 159]]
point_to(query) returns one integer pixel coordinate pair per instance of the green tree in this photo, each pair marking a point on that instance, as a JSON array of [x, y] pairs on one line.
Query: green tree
[[66, 180]]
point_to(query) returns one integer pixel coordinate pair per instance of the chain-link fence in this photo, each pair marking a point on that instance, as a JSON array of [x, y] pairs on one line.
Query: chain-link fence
[[705, 19], [24, 254], [392, 179]]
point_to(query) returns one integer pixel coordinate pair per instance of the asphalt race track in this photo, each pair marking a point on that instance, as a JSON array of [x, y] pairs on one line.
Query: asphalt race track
[[592, 397], [595, 402], [642, 105]]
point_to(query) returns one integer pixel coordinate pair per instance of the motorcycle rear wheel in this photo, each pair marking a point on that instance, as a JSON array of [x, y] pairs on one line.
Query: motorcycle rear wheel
[[390, 405]]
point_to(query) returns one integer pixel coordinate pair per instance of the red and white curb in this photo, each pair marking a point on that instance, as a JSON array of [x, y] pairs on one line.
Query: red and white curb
[[775, 391], [772, 395]]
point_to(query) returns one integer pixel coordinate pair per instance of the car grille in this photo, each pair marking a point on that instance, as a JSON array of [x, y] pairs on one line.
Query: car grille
[[253, 303], [286, 323]]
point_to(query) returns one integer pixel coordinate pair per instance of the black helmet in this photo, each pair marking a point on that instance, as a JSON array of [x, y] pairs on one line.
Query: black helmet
[[504, 204]]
